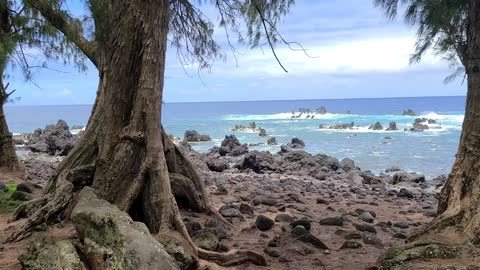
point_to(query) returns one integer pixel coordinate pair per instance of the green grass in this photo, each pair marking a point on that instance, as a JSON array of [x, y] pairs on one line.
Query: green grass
[[6, 204]]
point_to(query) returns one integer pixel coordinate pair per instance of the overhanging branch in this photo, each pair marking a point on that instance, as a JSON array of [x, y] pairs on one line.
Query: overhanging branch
[[62, 22]]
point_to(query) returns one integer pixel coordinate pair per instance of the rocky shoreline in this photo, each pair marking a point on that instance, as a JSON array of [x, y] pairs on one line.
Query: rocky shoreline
[[302, 211]]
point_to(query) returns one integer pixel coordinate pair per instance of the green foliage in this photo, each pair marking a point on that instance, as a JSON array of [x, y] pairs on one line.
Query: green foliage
[[252, 22], [441, 27], [28, 41], [8, 205]]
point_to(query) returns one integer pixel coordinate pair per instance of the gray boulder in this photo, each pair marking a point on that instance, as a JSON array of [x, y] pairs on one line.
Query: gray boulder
[[263, 133]]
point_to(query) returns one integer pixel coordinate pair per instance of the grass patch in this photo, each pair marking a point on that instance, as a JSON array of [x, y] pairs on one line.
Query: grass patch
[[6, 204]]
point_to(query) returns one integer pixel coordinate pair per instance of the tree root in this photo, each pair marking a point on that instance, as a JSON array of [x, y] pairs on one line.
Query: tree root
[[28, 208], [56, 203], [233, 257], [394, 258]]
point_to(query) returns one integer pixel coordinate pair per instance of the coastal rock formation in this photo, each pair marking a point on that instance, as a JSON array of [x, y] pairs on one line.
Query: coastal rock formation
[[409, 112], [272, 141], [420, 124], [392, 126], [263, 133], [53, 140], [232, 146], [376, 126], [321, 110], [339, 126], [194, 136], [296, 143]]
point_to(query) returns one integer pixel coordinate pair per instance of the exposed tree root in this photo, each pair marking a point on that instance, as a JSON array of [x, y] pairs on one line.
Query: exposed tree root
[[232, 257], [54, 206], [395, 258]]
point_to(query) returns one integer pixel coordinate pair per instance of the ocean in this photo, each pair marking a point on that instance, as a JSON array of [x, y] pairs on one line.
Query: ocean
[[431, 152]]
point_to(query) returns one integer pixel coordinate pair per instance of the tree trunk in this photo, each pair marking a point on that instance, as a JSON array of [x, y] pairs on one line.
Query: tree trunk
[[8, 158], [122, 153], [459, 203]]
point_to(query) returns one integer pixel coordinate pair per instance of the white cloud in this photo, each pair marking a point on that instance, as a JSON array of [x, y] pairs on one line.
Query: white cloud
[[356, 56], [63, 93]]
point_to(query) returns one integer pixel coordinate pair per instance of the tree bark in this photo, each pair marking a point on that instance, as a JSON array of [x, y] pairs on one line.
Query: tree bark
[[459, 204], [124, 151], [8, 157]]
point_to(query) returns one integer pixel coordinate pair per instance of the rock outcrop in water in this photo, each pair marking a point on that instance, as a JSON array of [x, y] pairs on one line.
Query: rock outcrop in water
[[338, 126], [194, 136], [231, 146], [296, 143], [421, 124], [409, 112], [392, 126], [376, 126]]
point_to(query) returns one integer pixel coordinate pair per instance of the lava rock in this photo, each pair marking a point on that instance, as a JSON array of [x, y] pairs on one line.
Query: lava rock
[[264, 223]]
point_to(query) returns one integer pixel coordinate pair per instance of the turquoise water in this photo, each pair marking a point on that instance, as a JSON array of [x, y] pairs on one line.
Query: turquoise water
[[431, 152]]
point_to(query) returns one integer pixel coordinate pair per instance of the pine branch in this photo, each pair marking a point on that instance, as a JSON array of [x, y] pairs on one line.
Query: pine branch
[[63, 23]]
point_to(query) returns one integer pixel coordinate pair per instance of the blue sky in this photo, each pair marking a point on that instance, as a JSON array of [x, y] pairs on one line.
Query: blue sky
[[358, 54]]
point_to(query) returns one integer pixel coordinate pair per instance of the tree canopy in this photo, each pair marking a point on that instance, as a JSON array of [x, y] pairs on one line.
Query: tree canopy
[[441, 27]]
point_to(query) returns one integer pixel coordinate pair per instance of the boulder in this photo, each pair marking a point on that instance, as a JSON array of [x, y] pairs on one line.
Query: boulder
[[264, 223], [194, 136], [27, 188], [249, 161], [409, 112], [376, 126], [263, 133], [332, 221], [272, 141], [43, 254], [206, 239], [3, 187], [296, 143], [347, 164], [405, 193], [217, 164], [407, 177], [112, 240], [20, 196]]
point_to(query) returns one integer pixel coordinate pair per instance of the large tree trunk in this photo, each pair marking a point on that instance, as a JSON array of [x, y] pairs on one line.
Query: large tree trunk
[[459, 204], [122, 153], [8, 158]]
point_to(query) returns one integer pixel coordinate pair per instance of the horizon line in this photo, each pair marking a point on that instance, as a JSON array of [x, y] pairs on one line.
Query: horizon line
[[232, 101]]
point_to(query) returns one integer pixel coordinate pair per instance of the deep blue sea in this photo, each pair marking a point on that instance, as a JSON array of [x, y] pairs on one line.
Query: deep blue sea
[[431, 152]]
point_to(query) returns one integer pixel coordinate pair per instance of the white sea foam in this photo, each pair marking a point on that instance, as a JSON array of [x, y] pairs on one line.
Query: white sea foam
[[283, 116], [76, 131]]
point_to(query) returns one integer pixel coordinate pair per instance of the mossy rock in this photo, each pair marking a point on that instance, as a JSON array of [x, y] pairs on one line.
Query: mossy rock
[[113, 240], [43, 254], [7, 203]]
